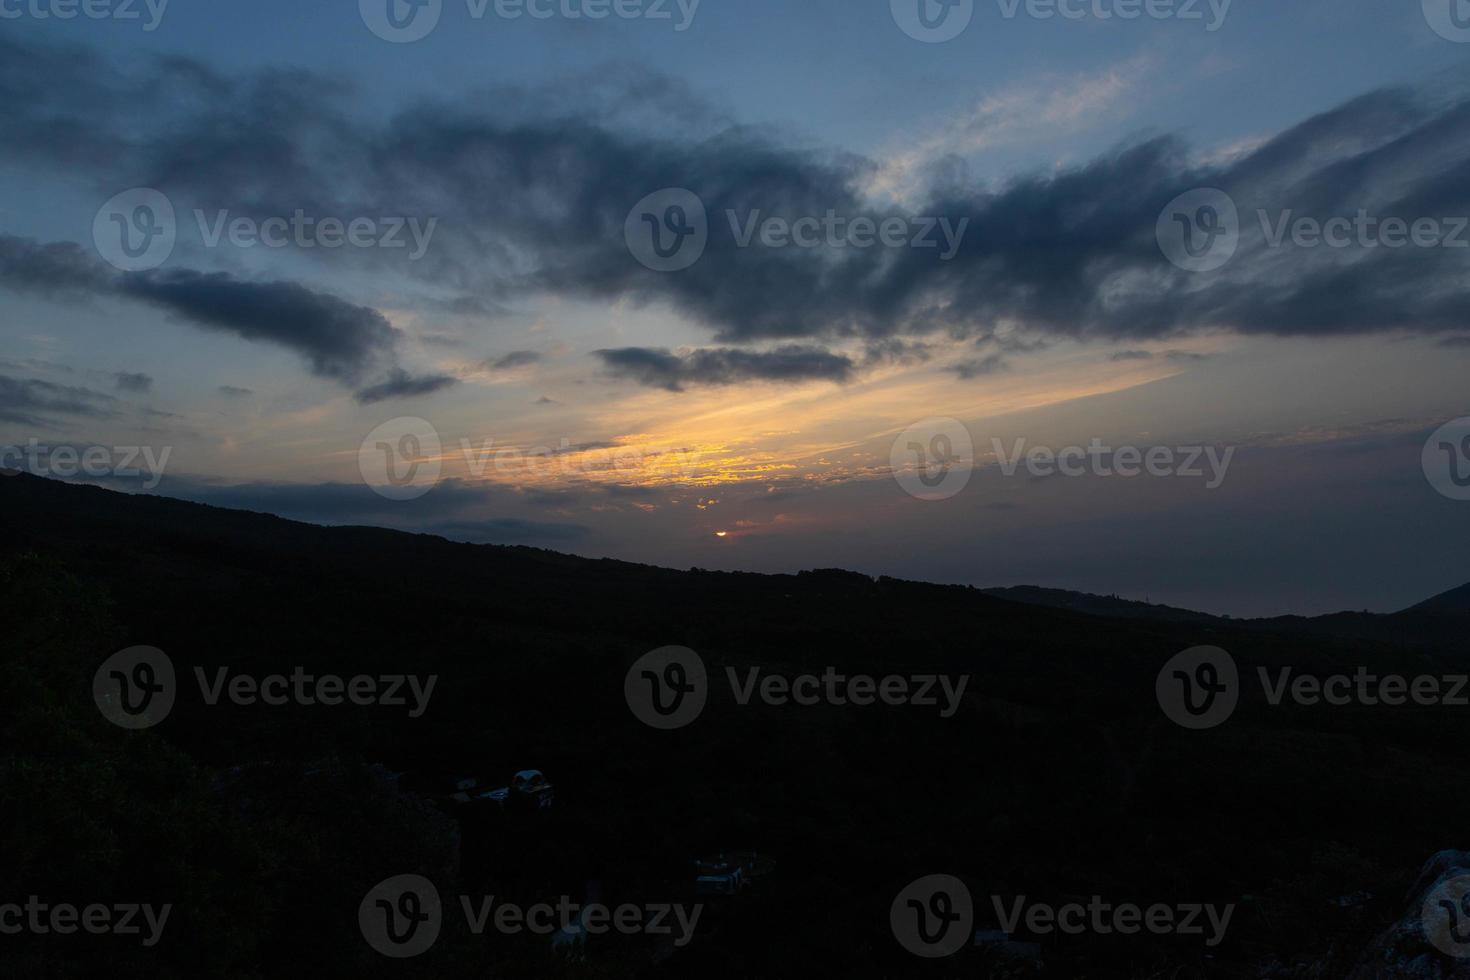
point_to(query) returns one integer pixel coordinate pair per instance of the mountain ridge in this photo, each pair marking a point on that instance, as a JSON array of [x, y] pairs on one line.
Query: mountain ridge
[[1453, 601]]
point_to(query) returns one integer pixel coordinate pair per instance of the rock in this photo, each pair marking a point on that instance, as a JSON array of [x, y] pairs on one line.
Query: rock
[[1432, 940]]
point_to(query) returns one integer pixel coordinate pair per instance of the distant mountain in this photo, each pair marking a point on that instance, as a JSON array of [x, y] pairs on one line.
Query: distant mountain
[[1099, 605], [1453, 601], [1433, 624]]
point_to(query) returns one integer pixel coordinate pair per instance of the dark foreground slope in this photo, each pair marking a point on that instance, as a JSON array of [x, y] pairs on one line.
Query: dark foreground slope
[[1058, 778]]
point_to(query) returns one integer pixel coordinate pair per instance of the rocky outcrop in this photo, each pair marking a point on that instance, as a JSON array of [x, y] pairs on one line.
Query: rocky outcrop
[[1432, 940]]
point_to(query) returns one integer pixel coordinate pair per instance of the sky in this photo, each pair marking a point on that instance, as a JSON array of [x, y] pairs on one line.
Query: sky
[[765, 286]]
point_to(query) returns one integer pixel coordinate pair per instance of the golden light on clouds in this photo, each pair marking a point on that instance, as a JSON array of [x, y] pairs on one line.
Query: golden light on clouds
[[778, 436]]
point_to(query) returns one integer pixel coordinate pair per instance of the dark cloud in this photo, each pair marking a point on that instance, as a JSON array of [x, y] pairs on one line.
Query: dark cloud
[[980, 367], [231, 391], [631, 491], [1169, 355], [541, 183], [340, 340], [30, 401], [401, 384], [59, 269], [657, 367], [895, 351], [128, 381], [515, 359]]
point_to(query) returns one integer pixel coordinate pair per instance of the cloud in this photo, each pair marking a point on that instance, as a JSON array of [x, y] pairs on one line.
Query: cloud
[[895, 351], [571, 449], [401, 384], [981, 367], [468, 306], [30, 401], [55, 269], [541, 185], [515, 359], [127, 381], [1020, 113], [1178, 356], [231, 391], [338, 339], [657, 367]]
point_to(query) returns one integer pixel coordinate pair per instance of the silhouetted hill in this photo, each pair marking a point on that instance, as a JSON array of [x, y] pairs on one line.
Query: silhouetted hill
[[1057, 775], [1436, 624], [1453, 601], [1098, 605]]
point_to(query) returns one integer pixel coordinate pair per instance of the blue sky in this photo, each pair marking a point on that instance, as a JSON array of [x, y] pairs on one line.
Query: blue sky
[[836, 71], [742, 413]]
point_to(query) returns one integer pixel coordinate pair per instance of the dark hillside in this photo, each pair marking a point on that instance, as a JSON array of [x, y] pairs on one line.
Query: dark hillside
[[1057, 776]]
